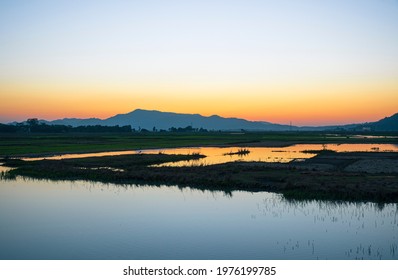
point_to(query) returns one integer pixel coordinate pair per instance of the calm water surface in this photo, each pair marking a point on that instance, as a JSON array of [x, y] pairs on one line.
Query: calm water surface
[[82, 220], [215, 155]]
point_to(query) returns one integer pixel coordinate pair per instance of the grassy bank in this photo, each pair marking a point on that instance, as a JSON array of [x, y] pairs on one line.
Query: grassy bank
[[46, 144], [323, 177]]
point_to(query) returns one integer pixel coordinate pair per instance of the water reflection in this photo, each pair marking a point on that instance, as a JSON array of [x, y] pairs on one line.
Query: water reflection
[[216, 155], [85, 220], [4, 169], [364, 225]]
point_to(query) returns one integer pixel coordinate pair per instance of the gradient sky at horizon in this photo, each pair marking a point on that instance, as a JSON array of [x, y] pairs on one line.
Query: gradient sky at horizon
[[309, 62]]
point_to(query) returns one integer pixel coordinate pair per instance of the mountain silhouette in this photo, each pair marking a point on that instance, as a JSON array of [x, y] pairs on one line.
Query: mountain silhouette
[[75, 122], [386, 124], [146, 119], [164, 120], [149, 119]]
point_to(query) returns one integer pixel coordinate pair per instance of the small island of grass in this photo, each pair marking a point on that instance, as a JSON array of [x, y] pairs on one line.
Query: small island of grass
[[329, 176]]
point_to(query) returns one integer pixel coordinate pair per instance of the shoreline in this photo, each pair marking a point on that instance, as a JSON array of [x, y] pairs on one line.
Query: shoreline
[[238, 145], [45, 145], [327, 176], [272, 144]]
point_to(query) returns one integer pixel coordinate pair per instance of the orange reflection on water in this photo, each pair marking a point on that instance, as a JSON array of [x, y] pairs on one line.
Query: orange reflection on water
[[5, 168], [362, 147], [217, 155], [83, 155]]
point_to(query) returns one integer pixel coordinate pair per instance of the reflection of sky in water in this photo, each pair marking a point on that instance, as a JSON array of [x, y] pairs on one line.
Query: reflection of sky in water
[[83, 220], [216, 155], [269, 154], [4, 168]]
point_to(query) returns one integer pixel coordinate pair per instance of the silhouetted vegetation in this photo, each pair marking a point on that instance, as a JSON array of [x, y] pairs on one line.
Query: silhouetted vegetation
[[294, 180], [25, 143], [187, 129], [239, 152], [8, 128], [34, 126]]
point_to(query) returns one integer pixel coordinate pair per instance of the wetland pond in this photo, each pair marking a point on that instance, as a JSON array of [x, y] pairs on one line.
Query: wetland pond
[[85, 220], [43, 219], [216, 155]]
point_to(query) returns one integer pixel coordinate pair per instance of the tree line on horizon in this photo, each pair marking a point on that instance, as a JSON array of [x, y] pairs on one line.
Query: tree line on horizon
[[35, 126]]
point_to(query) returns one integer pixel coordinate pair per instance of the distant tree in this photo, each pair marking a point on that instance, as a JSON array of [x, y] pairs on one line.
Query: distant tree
[[33, 122]]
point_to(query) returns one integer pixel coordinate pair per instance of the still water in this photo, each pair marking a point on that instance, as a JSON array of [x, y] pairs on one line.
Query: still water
[[216, 155], [84, 220]]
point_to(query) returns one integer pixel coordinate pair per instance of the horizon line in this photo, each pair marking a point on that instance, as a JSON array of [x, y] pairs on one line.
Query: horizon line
[[291, 123]]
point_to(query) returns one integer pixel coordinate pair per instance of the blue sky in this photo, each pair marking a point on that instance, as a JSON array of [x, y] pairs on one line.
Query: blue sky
[[198, 50]]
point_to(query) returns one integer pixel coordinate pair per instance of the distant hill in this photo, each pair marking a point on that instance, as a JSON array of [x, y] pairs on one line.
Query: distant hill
[[146, 119], [164, 120], [75, 122], [386, 124]]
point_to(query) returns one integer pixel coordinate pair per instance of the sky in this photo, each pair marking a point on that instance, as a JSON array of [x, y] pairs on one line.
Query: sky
[[307, 62]]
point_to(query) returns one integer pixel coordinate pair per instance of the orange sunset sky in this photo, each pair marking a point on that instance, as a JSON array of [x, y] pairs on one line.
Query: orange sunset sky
[[308, 62]]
